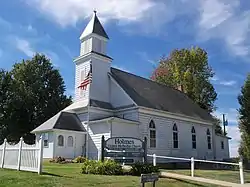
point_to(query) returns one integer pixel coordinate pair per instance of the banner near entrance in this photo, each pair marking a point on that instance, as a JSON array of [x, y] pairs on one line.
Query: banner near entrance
[[124, 149]]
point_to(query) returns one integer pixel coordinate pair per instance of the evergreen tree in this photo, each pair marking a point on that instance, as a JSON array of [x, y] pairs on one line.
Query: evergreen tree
[[244, 119]]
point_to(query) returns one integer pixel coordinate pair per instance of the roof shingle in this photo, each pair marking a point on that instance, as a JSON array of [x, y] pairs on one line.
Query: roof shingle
[[151, 94]]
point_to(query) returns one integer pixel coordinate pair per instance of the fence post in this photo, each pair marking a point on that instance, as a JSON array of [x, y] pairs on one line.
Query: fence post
[[192, 166], [40, 155], [154, 159], [3, 154], [241, 171], [19, 154]]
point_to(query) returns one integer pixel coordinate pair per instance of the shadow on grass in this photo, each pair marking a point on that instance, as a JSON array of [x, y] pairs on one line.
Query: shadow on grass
[[52, 174], [188, 182]]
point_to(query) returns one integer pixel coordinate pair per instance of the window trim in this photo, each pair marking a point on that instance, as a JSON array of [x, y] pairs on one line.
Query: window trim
[[194, 142], [209, 140], [46, 138], [222, 145], [152, 128], [175, 132], [71, 145], [59, 145]]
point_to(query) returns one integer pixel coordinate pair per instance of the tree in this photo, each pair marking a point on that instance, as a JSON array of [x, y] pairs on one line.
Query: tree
[[188, 71], [244, 119], [5, 101], [37, 91]]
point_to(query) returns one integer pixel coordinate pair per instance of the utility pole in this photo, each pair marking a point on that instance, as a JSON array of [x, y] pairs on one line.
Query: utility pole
[[225, 123]]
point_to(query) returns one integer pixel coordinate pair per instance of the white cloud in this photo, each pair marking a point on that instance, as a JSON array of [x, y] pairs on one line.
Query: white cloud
[[228, 83], [145, 57], [215, 19], [234, 133], [71, 11], [4, 24], [231, 115], [222, 19], [24, 46], [217, 80], [232, 129]]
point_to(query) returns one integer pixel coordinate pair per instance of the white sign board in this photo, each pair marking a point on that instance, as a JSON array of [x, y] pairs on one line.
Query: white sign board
[[123, 143]]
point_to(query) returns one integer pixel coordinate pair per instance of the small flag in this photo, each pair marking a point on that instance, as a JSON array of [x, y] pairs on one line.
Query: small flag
[[87, 80]]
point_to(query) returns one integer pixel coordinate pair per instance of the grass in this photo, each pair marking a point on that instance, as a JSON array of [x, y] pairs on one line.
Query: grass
[[224, 175], [60, 175]]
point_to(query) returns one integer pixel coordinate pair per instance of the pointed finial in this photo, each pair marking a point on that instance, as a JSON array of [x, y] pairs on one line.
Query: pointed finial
[[95, 11]]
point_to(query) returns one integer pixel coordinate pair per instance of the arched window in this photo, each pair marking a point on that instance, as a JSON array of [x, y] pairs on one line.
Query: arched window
[[70, 141], [209, 146], [193, 138], [175, 136], [60, 141], [152, 134]]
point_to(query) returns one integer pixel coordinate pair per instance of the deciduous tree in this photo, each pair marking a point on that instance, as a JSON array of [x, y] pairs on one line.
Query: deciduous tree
[[188, 70], [37, 93]]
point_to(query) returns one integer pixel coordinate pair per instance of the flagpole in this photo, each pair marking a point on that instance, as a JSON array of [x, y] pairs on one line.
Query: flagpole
[[88, 108], [87, 138]]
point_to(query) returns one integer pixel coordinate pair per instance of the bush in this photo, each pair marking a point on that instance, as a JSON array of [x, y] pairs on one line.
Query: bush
[[79, 159], [141, 168], [58, 160], [108, 167]]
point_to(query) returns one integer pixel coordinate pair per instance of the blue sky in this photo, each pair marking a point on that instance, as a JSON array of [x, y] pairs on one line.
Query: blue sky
[[140, 32]]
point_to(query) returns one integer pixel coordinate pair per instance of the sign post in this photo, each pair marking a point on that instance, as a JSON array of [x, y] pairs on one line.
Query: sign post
[[124, 149], [149, 178]]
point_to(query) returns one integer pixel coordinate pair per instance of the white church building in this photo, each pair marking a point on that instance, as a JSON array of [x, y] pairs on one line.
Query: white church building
[[114, 103]]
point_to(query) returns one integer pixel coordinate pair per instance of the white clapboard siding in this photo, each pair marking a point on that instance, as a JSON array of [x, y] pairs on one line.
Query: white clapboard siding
[[96, 131], [118, 97], [164, 137], [100, 86], [21, 156], [81, 71]]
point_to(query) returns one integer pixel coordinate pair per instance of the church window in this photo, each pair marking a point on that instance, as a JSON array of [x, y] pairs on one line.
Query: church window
[[152, 134], [175, 136], [209, 145], [70, 141], [222, 145], [193, 138], [60, 141], [46, 140]]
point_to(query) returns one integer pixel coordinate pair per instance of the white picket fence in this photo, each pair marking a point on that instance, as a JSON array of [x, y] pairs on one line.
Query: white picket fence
[[22, 156], [193, 160]]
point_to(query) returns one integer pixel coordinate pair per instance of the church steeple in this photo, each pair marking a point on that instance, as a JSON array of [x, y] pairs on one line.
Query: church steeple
[[94, 27], [93, 56], [94, 37]]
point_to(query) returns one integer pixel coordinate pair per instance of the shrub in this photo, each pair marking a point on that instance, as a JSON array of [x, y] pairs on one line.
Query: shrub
[[57, 160], [141, 168], [108, 167], [79, 159]]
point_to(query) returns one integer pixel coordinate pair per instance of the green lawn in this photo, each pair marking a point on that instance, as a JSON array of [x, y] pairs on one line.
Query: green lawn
[[225, 175], [56, 175]]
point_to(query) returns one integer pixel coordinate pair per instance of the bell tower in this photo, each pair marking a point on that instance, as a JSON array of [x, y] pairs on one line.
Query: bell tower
[[93, 63]]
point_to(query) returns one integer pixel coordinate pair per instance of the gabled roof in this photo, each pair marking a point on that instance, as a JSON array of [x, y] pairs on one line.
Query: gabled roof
[[62, 120], [94, 26], [150, 94]]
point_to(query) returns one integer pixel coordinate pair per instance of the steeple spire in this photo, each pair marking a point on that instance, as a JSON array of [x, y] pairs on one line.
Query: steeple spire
[[94, 27]]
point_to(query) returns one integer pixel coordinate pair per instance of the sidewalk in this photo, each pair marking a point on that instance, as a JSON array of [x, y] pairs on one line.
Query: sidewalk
[[200, 179]]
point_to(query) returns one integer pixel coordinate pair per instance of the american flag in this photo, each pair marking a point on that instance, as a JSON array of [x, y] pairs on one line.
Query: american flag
[[87, 80]]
